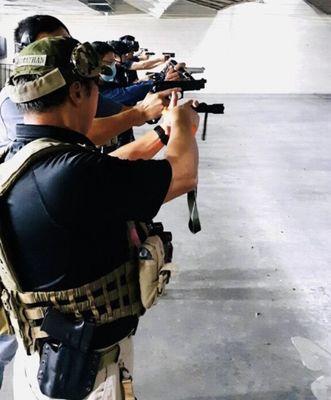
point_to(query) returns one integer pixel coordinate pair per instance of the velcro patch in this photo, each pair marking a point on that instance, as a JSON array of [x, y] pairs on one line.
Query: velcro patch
[[31, 60]]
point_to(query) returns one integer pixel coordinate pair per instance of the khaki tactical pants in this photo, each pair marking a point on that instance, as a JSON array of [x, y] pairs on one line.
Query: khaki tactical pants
[[107, 384]]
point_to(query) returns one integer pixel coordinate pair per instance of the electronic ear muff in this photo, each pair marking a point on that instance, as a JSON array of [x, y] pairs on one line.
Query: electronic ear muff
[[25, 41]]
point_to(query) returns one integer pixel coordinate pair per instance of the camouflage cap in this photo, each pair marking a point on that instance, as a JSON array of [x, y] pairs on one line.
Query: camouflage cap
[[50, 60]]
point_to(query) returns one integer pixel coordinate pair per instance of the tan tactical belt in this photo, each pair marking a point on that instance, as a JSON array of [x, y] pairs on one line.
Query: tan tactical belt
[[105, 300]]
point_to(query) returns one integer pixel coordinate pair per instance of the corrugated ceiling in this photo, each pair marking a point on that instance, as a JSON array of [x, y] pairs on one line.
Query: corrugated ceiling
[[156, 8], [217, 4]]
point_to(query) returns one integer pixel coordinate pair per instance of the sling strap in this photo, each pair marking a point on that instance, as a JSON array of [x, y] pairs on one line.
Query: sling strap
[[194, 221]]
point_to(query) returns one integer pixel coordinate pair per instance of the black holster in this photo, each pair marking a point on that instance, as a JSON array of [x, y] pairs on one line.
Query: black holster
[[68, 367]]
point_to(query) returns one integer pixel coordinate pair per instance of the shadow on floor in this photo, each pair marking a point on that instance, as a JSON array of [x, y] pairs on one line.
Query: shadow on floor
[[294, 394]]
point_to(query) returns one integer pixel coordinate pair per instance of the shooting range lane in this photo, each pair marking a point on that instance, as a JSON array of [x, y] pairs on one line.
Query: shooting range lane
[[250, 304], [258, 272]]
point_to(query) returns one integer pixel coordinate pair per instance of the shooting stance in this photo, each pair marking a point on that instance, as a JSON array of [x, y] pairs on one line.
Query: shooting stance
[[77, 268]]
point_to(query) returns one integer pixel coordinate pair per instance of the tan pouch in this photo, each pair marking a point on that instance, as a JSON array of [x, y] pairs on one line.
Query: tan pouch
[[153, 275], [5, 327]]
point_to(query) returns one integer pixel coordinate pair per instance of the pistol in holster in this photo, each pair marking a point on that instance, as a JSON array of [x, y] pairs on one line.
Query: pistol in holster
[[68, 367]]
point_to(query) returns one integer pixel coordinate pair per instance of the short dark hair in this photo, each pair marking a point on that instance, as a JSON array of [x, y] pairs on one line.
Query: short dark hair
[[29, 28], [102, 48]]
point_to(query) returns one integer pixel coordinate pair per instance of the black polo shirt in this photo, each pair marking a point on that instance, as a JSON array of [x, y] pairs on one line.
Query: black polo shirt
[[131, 74], [66, 216]]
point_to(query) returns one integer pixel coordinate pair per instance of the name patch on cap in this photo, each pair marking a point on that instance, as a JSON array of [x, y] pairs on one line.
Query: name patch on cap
[[34, 61]]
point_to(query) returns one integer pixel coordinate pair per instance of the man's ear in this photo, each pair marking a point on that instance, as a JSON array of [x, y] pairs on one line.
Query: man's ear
[[76, 93]]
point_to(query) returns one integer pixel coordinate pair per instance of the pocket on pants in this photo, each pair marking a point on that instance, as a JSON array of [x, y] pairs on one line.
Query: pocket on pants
[[107, 384]]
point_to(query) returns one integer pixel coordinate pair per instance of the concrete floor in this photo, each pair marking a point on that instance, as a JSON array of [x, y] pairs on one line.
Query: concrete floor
[[259, 272]]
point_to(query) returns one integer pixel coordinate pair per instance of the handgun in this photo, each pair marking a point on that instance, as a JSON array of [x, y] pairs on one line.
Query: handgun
[[208, 109], [195, 70], [184, 74], [77, 335], [169, 54], [185, 86]]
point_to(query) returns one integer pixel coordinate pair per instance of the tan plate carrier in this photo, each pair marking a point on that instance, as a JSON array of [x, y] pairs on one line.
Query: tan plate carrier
[[113, 296]]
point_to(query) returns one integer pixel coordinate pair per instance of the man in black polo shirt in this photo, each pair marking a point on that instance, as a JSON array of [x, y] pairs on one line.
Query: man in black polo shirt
[[40, 26], [66, 217]]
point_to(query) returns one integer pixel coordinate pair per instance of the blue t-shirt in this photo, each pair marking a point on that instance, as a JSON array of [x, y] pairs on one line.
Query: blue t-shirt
[[128, 95]]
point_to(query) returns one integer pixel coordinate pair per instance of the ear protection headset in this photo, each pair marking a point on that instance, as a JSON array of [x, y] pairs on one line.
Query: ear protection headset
[[40, 23], [25, 41], [28, 36], [130, 41]]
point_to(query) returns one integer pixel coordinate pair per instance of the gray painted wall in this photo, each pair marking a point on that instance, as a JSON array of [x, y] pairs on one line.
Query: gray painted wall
[[279, 46]]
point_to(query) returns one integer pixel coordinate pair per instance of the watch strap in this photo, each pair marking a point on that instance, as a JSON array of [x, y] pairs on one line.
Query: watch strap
[[162, 135]]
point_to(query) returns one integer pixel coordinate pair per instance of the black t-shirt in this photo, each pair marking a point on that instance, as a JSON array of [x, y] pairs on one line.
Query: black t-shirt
[[121, 78], [131, 74], [66, 216]]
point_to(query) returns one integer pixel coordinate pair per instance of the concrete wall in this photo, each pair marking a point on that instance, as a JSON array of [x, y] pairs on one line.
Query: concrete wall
[[279, 46]]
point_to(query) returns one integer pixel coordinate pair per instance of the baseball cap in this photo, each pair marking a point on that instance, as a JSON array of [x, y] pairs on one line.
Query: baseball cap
[[51, 61]]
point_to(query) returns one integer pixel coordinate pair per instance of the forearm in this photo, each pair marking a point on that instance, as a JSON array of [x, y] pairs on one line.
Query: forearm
[[143, 148], [151, 63], [157, 63], [182, 154], [104, 129]]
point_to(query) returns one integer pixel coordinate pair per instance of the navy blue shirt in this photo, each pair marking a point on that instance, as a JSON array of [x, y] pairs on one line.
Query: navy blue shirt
[[107, 107], [66, 216], [128, 95]]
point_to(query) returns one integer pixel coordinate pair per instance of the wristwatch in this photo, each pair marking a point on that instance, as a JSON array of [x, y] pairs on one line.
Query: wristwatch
[[162, 135]]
